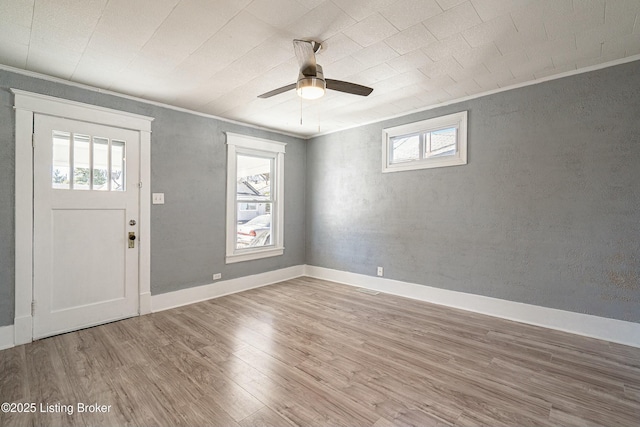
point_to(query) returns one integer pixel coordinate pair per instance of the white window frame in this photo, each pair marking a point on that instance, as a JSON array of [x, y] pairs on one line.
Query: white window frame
[[247, 145], [457, 120]]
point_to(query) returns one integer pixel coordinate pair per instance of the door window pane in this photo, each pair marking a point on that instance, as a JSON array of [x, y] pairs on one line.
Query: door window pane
[[81, 162], [117, 165], [100, 164], [60, 163]]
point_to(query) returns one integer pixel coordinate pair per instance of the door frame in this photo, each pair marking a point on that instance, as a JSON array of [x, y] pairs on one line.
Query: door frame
[[26, 104]]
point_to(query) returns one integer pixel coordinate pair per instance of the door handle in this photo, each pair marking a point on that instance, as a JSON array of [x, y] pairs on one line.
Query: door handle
[[132, 239]]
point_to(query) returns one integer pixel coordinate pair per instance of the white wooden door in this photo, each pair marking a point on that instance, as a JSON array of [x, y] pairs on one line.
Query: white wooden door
[[86, 203]]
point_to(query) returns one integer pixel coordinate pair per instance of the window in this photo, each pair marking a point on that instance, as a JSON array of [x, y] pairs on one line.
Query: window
[[432, 143], [255, 182], [84, 162]]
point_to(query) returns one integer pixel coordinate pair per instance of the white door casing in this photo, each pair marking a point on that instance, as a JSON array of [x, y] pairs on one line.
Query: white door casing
[[27, 106], [84, 272]]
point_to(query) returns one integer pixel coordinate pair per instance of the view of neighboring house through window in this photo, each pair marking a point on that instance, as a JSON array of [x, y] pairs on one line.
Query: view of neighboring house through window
[[437, 142], [254, 198]]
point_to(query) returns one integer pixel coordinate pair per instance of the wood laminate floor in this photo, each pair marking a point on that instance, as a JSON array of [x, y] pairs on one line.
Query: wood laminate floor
[[309, 352]]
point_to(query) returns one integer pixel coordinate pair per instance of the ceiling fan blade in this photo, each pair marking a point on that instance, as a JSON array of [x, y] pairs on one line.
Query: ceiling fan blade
[[277, 91], [347, 87], [305, 52]]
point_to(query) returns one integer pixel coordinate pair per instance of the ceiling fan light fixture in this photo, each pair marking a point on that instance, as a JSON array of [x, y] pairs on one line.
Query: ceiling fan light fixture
[[311, 87], [311, 83]]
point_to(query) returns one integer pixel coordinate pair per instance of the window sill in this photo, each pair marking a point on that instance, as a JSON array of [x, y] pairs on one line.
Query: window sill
[[425, 164], [258, 254]]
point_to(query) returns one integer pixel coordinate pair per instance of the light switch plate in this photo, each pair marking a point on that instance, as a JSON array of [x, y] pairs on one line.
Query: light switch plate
[[157, 198]]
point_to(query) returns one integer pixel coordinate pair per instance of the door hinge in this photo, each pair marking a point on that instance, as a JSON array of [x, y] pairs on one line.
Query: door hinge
[[33, 140], [33, 308], [140, 185]]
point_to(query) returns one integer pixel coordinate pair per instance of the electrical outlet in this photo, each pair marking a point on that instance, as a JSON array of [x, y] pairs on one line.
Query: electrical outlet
[[217, 276], [380, 271]]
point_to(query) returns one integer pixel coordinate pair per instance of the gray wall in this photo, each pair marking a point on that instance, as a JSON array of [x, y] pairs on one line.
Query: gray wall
[[188, 160], [7, 203], [547, 211]]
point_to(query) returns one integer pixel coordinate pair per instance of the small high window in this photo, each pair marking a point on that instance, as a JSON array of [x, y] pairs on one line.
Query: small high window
[[432, 143]]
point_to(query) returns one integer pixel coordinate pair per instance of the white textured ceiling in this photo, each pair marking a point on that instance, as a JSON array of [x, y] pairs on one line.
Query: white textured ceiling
[[216, 56]]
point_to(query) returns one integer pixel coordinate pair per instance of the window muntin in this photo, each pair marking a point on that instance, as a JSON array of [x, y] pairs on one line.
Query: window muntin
[[255, 174], [437, 142]]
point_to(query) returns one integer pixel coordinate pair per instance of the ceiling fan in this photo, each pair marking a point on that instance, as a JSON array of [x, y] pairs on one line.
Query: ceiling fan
[[311, 83]]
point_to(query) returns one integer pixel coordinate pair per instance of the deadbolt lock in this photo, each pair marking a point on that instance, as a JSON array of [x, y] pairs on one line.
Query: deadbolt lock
[[132, 239]]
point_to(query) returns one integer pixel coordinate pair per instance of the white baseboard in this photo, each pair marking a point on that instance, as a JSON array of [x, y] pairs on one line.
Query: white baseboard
[[23, 329], [612, 330], [145, 303], [6, 337], [224, 287]]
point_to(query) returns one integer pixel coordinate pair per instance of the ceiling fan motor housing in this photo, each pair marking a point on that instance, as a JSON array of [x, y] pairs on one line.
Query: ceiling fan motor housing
[[311, 86]]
